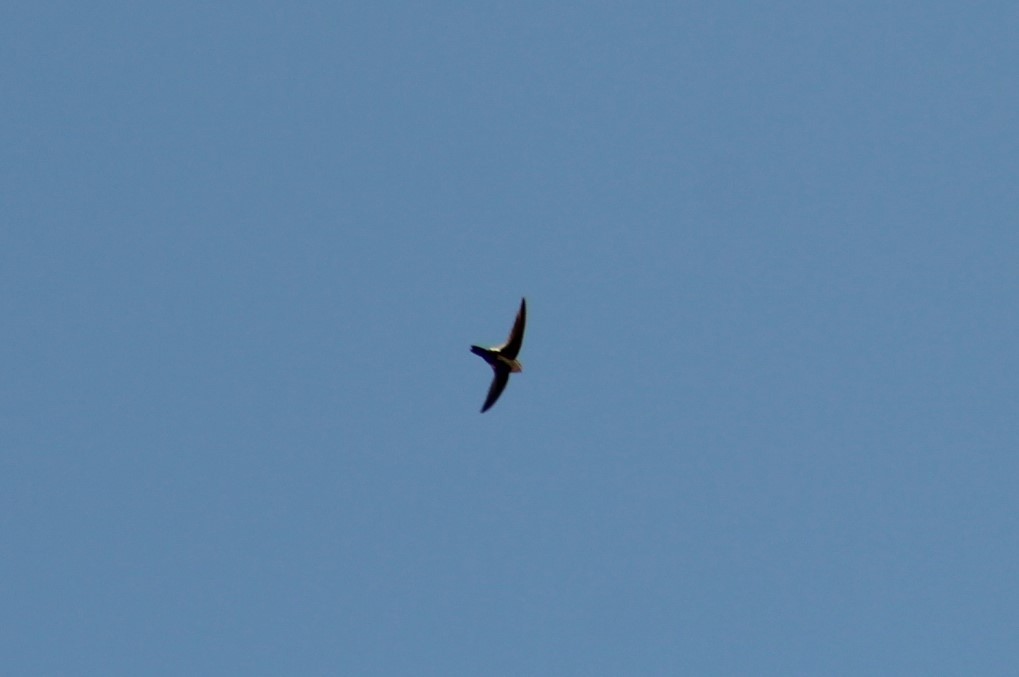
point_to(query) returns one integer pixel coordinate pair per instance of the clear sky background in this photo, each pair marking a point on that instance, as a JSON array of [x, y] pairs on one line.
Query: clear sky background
[[769, 418]]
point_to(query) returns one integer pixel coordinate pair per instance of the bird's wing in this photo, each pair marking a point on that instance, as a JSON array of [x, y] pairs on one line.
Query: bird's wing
[[516, 338], [498, 385]]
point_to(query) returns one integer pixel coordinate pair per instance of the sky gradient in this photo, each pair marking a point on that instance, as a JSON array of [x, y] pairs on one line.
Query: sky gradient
[[768, 422]]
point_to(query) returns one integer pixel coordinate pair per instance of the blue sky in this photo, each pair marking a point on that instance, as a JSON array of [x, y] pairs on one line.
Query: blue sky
[[768, 421]]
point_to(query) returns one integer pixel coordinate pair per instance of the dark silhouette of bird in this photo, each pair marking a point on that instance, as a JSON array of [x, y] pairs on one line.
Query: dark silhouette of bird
[[503, 359]]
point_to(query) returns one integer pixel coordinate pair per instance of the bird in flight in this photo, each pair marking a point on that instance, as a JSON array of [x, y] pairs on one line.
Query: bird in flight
[[503, 359]]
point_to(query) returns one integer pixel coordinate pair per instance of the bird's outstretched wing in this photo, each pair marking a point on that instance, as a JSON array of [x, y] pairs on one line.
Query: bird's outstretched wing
[[516, 338], [499, 382]]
